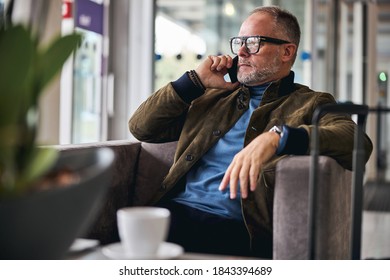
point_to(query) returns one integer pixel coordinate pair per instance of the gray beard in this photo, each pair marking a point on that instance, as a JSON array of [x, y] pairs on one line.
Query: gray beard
[[259, 76]]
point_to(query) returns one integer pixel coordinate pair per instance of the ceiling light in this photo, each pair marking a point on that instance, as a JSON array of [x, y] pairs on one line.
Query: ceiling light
[[229, 9]]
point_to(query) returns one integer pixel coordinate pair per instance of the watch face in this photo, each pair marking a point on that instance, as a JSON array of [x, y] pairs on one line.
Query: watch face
[[277, 129]]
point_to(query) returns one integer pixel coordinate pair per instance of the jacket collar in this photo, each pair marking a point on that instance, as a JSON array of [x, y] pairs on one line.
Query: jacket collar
[[280, 88]]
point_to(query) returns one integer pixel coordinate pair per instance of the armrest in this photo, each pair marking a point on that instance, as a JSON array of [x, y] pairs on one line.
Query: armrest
[[120, 192], [290, 236]]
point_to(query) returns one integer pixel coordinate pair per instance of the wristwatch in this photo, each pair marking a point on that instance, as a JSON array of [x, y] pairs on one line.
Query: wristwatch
[[277, 129]]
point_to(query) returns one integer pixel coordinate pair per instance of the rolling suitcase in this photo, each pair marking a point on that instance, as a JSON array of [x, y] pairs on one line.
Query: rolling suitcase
[[357, 180]]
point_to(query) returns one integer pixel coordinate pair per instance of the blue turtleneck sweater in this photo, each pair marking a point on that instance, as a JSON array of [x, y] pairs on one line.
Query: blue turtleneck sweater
[[204, 178]]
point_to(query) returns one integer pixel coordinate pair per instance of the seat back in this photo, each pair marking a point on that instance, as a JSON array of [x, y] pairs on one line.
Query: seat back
[[153, 165]]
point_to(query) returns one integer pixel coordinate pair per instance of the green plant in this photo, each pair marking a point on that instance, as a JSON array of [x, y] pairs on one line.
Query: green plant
[[26, 68]]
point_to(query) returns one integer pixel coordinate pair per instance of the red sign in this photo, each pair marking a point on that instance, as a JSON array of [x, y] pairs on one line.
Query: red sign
[[67, 9]]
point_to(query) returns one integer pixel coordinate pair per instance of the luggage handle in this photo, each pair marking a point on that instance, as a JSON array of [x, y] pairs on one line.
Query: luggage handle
[[357, 180]]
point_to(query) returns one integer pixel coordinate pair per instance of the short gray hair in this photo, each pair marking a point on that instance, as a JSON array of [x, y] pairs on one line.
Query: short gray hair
[[286, 23]]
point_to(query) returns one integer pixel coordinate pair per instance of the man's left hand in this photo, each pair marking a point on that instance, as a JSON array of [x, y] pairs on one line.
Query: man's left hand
[[246, 165]]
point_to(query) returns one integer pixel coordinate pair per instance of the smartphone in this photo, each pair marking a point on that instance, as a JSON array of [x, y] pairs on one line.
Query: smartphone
[[232, 71]]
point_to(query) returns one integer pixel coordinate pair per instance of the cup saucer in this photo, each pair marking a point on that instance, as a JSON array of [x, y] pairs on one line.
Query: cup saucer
[[165, 251]]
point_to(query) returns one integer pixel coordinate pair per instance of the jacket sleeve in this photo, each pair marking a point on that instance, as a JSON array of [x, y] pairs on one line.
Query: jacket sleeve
[[336, 136], [161, 117]]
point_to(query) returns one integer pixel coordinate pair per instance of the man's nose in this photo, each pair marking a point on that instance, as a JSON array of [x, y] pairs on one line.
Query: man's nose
[[242, 51]]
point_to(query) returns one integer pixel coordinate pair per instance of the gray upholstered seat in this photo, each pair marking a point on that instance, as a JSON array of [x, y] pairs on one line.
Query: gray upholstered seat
[[140, 168]]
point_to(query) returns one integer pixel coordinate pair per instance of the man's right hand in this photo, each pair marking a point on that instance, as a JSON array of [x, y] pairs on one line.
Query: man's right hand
[[212, 71]]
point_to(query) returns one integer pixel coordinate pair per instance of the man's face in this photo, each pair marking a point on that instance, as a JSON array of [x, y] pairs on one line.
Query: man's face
[[265, 65]]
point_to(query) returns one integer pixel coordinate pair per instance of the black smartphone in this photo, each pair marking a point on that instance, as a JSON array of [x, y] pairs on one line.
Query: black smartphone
[[232, 71]]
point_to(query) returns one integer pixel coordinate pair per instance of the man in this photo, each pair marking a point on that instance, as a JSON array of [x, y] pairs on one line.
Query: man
[[231, 135]]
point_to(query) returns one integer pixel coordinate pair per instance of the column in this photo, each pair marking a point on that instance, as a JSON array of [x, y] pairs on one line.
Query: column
[[357, 59], [141, 53], [131, 63], [370, 86], [343, 55]]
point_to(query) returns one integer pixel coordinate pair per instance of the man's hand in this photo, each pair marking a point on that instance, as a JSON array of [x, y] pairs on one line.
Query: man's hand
[[212, 71], [246, 165]]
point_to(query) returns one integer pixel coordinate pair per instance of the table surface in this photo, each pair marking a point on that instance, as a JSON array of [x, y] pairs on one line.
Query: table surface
[[86, 249]]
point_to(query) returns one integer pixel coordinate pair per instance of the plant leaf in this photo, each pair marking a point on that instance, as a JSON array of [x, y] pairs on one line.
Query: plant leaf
[[51, 61], [15, 55], [16, 49]]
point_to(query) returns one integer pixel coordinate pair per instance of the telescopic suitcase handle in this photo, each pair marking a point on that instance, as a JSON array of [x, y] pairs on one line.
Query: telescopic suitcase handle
[[357, 180]]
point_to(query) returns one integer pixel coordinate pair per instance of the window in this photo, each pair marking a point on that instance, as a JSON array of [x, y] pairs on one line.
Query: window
[[186, 31]]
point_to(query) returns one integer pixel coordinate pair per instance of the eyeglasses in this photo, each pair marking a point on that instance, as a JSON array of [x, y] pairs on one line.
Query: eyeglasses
[[252, 43]]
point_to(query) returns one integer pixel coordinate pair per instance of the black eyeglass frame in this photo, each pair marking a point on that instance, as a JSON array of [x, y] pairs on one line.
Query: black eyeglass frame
[[261, 39]]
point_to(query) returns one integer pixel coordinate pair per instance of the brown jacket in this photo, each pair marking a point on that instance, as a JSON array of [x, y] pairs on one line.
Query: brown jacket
[[197, 126]]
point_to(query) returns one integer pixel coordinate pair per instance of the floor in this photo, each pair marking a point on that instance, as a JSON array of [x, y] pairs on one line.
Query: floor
[[375, 235], [376, 222]]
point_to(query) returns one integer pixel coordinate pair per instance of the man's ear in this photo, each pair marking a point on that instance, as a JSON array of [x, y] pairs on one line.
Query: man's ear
[[289, 52]]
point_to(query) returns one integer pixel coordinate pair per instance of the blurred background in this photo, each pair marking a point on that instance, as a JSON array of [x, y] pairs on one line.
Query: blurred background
[[133, 47]]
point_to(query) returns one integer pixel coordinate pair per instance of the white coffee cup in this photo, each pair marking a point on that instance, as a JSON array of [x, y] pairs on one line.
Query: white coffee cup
[[142, 230]]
